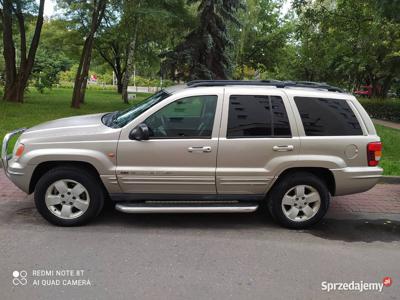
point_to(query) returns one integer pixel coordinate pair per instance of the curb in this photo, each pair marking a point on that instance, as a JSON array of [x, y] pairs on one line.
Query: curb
[[390, 179], [387, 123]]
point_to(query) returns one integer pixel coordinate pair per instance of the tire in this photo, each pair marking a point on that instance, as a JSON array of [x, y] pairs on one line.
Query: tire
[[80, 191], [286, 196]]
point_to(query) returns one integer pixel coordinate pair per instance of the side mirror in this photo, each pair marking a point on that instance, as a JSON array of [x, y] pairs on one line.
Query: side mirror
[[139, 133]]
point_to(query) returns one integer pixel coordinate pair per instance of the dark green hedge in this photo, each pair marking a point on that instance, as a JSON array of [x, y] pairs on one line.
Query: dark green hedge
[[388, 109]]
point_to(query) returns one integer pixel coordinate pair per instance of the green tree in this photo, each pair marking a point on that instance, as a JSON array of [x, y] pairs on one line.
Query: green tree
[[111, 45], [47, 68], [203, 53], [262, 38], [152, 26], [62, 36], [348, 42], [23, 12], [89, 15], [388, 8]]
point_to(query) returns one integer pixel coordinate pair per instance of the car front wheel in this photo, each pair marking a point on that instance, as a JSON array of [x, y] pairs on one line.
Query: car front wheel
[[67, 196]]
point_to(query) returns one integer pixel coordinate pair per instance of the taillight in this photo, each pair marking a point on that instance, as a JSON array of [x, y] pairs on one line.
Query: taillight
[[374, 153]]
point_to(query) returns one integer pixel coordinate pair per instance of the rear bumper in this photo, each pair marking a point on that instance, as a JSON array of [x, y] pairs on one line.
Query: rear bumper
[[353, 180]]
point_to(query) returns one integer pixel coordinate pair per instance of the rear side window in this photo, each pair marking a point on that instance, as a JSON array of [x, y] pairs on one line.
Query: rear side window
[[257, 116], [327, 117]]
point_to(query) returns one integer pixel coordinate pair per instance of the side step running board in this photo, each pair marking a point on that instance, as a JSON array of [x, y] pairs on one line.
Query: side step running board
[[186, 207]]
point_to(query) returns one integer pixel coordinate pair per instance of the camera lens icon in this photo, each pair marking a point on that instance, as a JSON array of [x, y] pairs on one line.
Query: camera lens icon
[[19, 277]]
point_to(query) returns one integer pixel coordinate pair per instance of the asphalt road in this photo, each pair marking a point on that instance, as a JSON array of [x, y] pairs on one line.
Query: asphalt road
[[208, 256]]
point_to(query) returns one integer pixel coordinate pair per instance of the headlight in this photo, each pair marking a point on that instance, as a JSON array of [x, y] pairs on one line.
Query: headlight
[[18, 149]]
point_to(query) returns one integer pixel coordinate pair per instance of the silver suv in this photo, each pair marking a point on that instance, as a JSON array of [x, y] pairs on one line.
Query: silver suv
[[207, 146]]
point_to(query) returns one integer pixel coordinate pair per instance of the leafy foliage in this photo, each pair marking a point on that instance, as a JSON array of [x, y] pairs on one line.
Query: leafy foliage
[[47, 67], [261, 39], [348, 43], [382, 109], [203, 53]]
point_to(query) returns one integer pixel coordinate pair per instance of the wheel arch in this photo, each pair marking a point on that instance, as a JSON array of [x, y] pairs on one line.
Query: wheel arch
[[44, 167], [323, 173]]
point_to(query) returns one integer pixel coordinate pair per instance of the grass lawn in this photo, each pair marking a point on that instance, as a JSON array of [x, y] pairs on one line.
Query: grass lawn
[[39, 108], [391, 150], [54, 104]]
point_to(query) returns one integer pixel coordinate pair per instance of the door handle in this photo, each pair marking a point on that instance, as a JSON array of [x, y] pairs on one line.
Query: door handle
[[282, 148], [200, 149]]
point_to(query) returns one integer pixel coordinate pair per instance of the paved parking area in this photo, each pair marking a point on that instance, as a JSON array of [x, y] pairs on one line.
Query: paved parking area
[[203, 256]]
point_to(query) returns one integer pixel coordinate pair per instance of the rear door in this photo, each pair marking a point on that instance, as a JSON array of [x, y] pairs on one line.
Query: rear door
[[333, 127], [256, 140]]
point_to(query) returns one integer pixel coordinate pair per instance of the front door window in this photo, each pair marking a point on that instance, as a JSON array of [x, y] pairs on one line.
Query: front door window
[[191, 117]]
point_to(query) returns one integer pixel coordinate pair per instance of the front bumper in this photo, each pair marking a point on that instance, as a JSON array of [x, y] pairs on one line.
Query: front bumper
[[20, 175], [353, 180], [5, 157]]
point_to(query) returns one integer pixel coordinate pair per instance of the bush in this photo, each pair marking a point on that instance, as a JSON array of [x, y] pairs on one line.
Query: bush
[[47, 69], [90, 86], [101, 87], [106, 78], [69, 75], [142, 81], [384, 109]]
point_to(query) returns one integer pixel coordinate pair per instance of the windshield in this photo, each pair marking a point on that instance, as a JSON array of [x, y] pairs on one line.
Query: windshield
[[121, 118]]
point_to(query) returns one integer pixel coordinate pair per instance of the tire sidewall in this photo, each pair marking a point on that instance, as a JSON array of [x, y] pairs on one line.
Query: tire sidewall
[[87, 179], [287, 183]]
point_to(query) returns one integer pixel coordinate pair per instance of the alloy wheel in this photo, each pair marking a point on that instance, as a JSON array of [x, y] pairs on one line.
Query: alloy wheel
[[67, 199], [301, 203]]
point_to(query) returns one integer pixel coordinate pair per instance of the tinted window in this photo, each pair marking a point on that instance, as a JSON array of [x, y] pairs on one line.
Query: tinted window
[[280, 121], [327, 117], [257, 116], [188, 117]]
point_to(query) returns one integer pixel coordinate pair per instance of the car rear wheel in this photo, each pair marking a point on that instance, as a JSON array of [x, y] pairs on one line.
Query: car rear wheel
[[67, 196], [298, 200]]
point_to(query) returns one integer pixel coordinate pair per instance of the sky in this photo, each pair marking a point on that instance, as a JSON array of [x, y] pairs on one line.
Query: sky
[[49, 6], [286, 6]]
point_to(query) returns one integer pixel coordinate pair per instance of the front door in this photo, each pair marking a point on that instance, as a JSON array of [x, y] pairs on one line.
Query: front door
[[180, 156]]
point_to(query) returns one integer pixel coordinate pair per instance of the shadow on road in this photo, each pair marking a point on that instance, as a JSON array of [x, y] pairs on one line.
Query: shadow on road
[[358, 230], [348, 230]]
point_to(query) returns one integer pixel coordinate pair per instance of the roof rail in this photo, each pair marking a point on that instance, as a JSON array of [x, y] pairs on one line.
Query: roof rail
[[269, 82]]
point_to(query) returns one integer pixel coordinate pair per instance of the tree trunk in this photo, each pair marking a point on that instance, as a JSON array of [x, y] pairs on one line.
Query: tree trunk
[[119, 84], [15, 92], [80, 77], [119, 71], [387, 82], [375, 86], [116, 64], [78, 94], [85, 72], [16, 82], [8, 52], [130, 63]]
